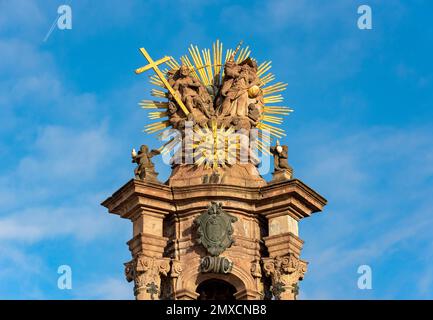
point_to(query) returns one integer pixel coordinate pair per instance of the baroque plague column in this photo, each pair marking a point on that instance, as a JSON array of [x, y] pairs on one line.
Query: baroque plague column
[[215, 229]]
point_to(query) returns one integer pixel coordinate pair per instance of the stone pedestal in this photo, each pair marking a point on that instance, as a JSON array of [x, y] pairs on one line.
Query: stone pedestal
[[166, 253], [282, 175]]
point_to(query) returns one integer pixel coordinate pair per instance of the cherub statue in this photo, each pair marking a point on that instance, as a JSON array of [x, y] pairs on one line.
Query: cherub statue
[[241, 123], [145, 169], [253, 114], [176, 120], [281, 155]]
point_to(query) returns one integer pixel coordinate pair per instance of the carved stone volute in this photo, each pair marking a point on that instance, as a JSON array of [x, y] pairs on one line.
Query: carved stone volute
[[285, 273], [146, 273]]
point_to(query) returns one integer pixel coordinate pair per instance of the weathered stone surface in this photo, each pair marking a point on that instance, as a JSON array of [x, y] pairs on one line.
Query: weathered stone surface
[[266, 251], [282, 175], [245, 175], [245, 230]]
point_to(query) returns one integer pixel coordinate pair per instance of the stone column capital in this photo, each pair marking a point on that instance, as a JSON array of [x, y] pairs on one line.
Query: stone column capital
[[146, 273], [285, 273]]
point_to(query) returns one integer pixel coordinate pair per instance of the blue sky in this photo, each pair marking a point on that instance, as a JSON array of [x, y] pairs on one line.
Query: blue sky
[[361, 134]]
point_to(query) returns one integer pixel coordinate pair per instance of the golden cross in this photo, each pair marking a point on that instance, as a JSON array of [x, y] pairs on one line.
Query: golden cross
[[154, 65]]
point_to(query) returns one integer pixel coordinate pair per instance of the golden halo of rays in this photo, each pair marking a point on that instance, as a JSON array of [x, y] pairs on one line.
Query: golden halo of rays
[[207, 65], [214, 147]]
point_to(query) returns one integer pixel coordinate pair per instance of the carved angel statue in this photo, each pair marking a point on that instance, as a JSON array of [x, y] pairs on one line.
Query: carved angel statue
[[281, 155], [145, 168]]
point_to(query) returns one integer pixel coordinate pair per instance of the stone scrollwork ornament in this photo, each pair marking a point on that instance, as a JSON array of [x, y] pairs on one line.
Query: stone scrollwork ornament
[[146, 273], [216, 264], [175, 272], [176, 269], [129, 271], [256, 270], [285, 273]]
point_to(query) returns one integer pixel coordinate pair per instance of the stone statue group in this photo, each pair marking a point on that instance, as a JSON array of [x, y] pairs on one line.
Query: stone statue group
[[237, 102]]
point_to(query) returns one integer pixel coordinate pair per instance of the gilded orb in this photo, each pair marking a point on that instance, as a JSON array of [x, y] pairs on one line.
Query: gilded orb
[[253, 91]]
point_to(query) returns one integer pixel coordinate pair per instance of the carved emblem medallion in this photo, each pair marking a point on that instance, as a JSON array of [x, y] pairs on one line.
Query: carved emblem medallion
[[215, 229]]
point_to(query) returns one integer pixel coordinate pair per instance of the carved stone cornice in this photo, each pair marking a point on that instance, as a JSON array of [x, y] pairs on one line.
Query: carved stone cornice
[[137, 196], [291, 196]]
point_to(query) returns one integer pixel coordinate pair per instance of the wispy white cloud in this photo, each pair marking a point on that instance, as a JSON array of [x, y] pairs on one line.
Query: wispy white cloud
[[20, 17], [364, 174], [64, 153], [59, 147], [82, 222], [18, 270], [378, 202], [59, 161]]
